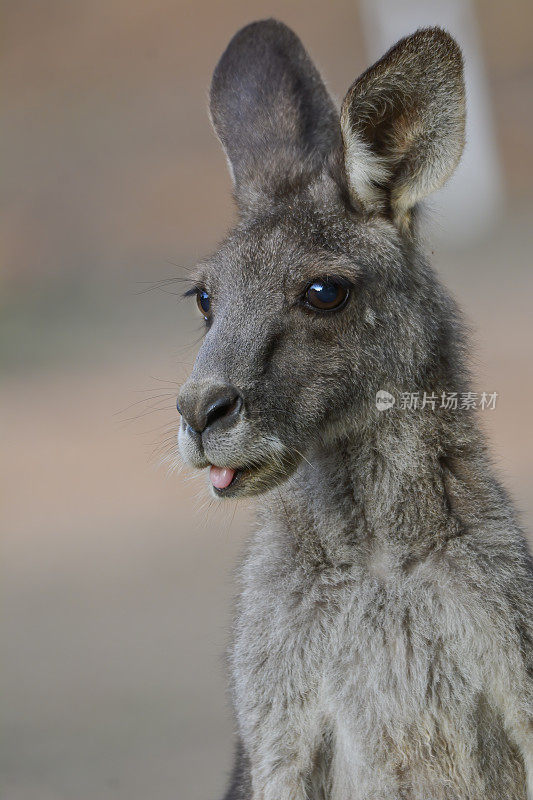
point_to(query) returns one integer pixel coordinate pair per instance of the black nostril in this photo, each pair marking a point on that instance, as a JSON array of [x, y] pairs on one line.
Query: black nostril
[[227, 406]]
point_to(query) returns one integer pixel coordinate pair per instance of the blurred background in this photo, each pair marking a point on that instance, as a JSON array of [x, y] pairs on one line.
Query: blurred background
[[117, 578]]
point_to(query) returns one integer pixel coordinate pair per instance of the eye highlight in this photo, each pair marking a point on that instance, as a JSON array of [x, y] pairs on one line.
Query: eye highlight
[[204, 302], [326, 294]]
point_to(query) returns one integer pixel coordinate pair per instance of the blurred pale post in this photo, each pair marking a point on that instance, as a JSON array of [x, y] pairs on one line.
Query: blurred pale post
[[467, 207]]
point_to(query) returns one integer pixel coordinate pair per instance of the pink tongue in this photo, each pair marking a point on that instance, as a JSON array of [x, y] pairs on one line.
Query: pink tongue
[[221, 477]]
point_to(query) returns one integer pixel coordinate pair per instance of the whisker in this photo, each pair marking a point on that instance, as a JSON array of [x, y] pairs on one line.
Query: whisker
[[155, 410], [143, 400], [298, 452], [159, 285]]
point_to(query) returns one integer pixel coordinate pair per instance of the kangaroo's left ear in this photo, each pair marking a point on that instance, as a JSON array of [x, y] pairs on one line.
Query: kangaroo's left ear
[[403, 124]]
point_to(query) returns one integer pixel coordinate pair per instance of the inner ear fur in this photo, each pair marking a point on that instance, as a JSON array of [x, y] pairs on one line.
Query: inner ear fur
[[403, 124]]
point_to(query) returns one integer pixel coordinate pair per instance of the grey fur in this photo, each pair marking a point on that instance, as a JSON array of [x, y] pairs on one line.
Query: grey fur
[[383, 642]]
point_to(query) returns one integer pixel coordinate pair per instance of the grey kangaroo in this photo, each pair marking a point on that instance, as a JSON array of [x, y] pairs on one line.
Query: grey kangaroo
[[383, 642]]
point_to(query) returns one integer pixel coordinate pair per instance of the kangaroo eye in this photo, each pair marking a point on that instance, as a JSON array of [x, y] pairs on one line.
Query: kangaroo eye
[[326, 294], [204, 303]]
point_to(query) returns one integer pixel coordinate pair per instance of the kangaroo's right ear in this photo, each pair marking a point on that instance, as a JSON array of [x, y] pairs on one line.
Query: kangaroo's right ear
[[271, 111]]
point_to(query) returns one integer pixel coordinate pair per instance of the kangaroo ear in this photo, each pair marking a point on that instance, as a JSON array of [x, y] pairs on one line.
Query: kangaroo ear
[[271, 110], [403, 124]]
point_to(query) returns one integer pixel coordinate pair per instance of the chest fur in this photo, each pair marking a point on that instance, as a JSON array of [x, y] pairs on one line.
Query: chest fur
[[384, 665], [364, 636]]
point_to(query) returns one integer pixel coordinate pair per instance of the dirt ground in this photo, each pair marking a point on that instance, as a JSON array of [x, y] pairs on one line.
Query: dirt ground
[[117, 579]]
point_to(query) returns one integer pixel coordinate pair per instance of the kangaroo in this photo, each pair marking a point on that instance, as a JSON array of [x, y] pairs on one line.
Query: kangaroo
[[383, 641]]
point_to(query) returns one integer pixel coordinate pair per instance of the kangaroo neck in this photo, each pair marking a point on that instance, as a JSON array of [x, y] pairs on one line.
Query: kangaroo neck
[[382, 486]]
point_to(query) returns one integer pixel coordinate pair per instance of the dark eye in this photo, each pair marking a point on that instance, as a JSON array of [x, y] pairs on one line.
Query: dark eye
[[326, 294], [204, 303]]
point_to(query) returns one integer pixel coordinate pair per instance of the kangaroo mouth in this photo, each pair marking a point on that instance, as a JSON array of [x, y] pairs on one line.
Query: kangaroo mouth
[[249, 480], [252, 478]]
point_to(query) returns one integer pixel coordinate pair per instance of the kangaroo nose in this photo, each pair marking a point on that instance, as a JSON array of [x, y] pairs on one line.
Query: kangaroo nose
[[202, 408]]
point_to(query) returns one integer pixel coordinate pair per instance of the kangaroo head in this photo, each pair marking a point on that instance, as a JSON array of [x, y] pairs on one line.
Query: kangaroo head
[[318, 297]]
